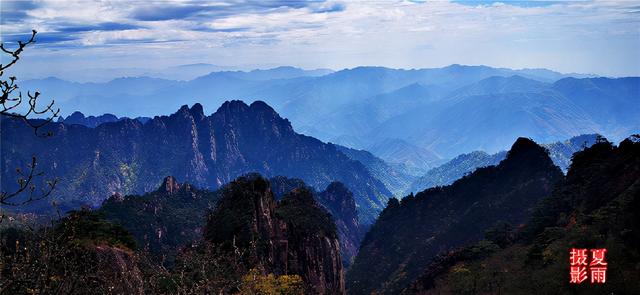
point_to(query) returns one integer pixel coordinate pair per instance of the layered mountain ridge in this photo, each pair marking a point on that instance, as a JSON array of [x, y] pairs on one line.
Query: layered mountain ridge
[[365, 106], [129, 157], [560, 153]]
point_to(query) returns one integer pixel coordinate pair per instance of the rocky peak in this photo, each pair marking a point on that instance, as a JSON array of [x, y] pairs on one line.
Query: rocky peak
[[197, 112], [116, 197], [526, 153], [523, 144], [258, 112], [261, 106], [169, 186], [296, 236], [77, 115], [338, 200], [338, 197], [232, 107], [184, 113]]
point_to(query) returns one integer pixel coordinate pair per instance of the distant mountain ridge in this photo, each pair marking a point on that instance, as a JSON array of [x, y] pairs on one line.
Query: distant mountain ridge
[[94, 121], [129, 157], [447, 111], [394, 177], [560, 153]]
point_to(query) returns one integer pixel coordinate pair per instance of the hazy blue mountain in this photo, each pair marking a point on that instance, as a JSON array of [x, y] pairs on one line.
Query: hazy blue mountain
[[455, 169], [186, 72], [365, 116], [497, 84], [350, 86], [613, 104], [548, 75], [284, 72], [394, 177], [490, 119], [93, 121], [447, 111], [398, 151], [560, 152], [333, 89]]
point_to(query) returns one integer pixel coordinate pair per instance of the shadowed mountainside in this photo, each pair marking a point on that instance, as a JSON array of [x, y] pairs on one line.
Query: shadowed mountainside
[[595, 207], [128, 157], [409, 233]]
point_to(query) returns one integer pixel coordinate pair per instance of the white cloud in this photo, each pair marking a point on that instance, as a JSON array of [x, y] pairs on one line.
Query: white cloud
[[584, 36]]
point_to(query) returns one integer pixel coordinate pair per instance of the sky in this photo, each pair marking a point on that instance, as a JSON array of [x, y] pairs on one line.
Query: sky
[[592, 37]]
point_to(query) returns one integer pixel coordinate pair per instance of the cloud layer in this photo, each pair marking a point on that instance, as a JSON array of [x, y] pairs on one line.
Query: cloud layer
[[578, 36]]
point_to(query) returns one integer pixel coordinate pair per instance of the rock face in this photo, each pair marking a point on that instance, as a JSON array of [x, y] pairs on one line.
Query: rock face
[[293, 236], [338, 200], [410, 233], [129, 157]]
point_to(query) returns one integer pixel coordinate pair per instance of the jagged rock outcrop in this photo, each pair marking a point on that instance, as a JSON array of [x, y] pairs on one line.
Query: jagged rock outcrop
[[339, 202], [169, 186], [292, 236], [129, 157]]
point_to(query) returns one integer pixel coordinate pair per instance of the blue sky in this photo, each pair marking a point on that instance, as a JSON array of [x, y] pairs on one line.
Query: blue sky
[[600, 37]]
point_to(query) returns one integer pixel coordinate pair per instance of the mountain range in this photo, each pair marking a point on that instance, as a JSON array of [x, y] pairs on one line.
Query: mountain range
[[451, 110], [129, 157]]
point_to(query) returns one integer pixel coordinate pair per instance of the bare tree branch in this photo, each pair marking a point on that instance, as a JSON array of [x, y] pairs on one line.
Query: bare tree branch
[[9, 102], [14, 105]]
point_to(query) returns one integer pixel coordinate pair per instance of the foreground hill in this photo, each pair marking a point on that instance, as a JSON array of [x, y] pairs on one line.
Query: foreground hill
[[247, 243], [595, 207], [129, 157], [410, 233]]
